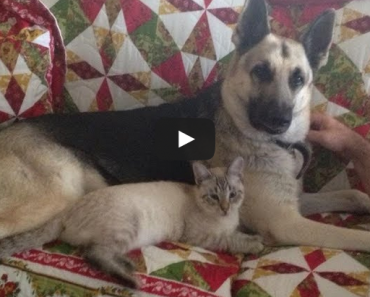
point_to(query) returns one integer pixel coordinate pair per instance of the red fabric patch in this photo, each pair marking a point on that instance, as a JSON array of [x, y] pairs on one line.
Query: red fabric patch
[[308, 287], [283, 268], [228, 258], [341, 100], [127, 82], [285, 2], [203, 34], [63, 262], [170, 246], [362, 130], [212, 77], [207, 2], [315, 259], [135, 253], [341, 279], [310, 12], [136, 14], [106, 59], [361, 25], [4, 116], [104, 98], [91, 8], [84, 70], [226, 15], [283, 16], [185, 5], [215, 275], [174, 73], [14, 95], [239, 284], [35, 111]]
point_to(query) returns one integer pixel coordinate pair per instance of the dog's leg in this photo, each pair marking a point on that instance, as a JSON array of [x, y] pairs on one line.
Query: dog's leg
[[271, 209], [352, 201], [292, 228]]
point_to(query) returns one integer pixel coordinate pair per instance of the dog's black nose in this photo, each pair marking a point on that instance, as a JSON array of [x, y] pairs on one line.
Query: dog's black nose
[[272, 117], [282, 119], [277, 119]]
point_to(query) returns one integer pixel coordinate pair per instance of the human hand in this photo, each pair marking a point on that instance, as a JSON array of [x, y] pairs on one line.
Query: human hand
[[333, 135]]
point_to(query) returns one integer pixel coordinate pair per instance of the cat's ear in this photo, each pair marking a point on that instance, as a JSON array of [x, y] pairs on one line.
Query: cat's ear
[[201, 173], [236, 167], [318, 38]]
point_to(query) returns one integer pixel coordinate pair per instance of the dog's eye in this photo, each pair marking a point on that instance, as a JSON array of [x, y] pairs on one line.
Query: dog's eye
[[262, 72], [214, 196], [232, 194], [296, 80]]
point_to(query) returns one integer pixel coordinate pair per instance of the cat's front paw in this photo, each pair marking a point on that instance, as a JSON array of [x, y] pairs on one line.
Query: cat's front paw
[[252, 244], [257, 238], [254, 248]]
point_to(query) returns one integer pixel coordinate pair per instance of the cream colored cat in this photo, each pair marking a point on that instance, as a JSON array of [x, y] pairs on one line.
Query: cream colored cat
[[110, 222]]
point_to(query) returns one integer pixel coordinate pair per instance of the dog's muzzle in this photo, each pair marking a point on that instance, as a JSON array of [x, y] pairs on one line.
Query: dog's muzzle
[[271, 117]]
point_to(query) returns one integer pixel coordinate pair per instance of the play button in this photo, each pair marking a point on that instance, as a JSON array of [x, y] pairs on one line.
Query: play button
[[184, 139]]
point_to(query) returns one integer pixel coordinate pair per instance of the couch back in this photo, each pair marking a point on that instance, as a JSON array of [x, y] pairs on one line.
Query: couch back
[[133, 53]]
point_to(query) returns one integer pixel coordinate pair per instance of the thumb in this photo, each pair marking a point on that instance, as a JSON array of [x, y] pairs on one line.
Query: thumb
[[316, 136]]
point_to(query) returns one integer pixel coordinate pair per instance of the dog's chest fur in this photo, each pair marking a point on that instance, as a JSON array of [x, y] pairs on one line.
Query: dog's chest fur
[[263, 156]]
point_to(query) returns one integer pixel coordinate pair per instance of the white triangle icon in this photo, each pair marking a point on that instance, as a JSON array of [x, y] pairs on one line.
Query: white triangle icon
[[184, 139]]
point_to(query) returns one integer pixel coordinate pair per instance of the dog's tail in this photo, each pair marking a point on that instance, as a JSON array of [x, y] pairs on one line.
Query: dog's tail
[[33, 238]]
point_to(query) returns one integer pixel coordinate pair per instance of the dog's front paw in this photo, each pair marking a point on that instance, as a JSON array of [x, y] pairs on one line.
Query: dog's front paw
[[361, 199]]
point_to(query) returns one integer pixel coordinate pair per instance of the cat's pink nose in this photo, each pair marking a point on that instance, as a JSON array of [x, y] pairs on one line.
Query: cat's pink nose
[[225, 207]]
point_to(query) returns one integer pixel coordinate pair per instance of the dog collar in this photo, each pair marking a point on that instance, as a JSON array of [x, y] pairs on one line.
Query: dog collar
[[300, 146]]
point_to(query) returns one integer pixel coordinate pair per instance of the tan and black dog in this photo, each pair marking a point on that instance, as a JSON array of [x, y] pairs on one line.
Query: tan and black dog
[[260, 108]]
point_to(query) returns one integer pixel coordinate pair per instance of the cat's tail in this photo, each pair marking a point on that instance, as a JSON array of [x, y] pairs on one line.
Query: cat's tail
[[33, 238]]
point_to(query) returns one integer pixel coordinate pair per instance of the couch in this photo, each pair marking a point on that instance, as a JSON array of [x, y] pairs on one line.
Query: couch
[[95, 55]]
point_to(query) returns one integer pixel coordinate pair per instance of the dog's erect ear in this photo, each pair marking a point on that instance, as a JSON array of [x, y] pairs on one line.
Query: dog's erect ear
[[201, 173], [252, 27], [317, 39]]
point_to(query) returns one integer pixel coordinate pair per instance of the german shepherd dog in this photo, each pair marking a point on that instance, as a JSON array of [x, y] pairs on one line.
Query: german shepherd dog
[[261, 107]]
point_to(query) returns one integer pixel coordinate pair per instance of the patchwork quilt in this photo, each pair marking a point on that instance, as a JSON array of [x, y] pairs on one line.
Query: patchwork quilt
[[95, 55]]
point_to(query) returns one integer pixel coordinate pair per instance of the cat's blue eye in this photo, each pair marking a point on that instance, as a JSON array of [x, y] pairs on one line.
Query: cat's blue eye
[[214, 196], [232, 194]]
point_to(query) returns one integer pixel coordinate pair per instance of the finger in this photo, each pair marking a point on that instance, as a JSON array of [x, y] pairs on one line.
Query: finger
[[315, 136], [317, 120]]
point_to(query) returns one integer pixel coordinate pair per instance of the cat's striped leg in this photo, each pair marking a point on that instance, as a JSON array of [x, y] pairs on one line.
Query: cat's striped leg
[[239, 242], [106, 259]]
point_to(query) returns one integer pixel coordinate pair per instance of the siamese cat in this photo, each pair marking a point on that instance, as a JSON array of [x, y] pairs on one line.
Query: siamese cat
[[112, 221]]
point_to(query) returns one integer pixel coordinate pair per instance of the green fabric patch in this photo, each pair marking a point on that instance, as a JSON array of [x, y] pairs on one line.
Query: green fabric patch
[[69, 105], [154, 35], [252, 290], [341, 81], [71, 19], [325, 165], [168, 94]]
